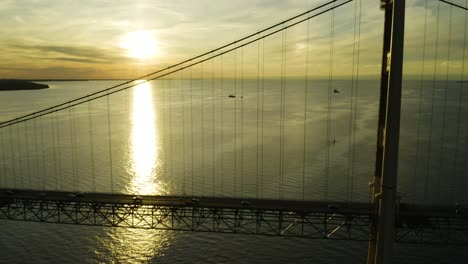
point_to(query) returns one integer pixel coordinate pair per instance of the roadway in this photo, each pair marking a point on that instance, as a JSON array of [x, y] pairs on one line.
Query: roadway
[[356, 208], [189, 201]]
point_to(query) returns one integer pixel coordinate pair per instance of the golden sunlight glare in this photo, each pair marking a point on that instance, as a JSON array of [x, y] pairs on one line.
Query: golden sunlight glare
[[140, 44], [144, 139]]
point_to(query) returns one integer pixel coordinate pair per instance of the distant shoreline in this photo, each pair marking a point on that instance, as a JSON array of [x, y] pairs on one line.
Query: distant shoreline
[[16, 85], [72, 80]]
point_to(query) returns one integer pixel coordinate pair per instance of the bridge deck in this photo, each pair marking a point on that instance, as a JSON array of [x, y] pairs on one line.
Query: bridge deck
[[190, 201], [309, 219]]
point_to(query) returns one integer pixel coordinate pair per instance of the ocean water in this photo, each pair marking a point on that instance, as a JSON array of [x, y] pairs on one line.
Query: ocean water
[[190, 137], [299, 141]]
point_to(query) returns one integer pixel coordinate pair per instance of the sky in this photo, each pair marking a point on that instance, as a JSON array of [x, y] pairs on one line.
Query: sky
[[108, 39]]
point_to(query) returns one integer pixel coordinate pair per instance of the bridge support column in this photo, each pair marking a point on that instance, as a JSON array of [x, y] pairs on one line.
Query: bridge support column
[[383, 189]]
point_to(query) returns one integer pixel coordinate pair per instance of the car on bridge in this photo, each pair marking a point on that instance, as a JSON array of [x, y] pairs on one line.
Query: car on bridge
[[75, 195], [333, 207], [137, 199], [245, 203], [193, 201]]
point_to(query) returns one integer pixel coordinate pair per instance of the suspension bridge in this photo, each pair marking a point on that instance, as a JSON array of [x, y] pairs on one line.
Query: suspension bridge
[[258, 137]]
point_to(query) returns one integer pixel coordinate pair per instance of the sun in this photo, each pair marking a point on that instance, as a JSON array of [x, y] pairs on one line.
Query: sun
[[140, 44]]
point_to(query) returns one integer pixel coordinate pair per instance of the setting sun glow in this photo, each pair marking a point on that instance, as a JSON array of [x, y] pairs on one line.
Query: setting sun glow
[[140, 44], [144, 143]]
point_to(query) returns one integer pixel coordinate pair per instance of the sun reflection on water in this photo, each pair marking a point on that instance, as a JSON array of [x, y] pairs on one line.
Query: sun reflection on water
[[129, 245], [144, 144]]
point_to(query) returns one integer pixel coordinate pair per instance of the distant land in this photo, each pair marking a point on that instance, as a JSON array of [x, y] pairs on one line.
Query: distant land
[[13, 85], [73, 80]]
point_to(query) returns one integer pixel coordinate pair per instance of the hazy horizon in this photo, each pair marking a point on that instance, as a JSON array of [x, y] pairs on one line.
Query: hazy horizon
[[50, 40]]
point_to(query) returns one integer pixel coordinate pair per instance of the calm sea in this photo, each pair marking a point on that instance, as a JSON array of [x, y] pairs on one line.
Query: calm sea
[[296, 141]]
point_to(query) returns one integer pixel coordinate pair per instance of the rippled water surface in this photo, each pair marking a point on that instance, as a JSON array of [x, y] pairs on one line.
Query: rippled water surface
[[176, 137]]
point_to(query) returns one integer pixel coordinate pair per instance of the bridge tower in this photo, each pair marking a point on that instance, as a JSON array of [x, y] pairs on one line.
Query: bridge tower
[[383, 188]]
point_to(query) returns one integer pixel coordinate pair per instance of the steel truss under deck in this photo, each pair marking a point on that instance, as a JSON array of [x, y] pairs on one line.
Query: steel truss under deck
[[191, 218], [411, 227]]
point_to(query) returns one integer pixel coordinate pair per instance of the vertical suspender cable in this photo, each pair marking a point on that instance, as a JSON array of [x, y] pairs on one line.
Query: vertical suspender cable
[[444, 111], [75, 168], [242, 125], [169, 79], [4, 161], [458, 175], [20, 158], [191, 123], [202, 128], [428, 163], [43, 151], [330, 80], [213, 126], [306, 92], [463, 78], [91, 144], [70, 121], [258, 114], [54, 151], [27, 156], [356, 92], [13, 158], [280, 172], [72, 143], [283, 111], [109, 135], [165, 136], [128, 119], [36, 167], [59, 152], [183, 134], [350, 161], [222, 124], [418, 133], [235, 123], [263, 107], [182, 186]]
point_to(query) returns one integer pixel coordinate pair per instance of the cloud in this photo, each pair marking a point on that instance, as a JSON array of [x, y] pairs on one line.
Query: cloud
[[18, 19], [72, 53], [79, 34], [76, 60]]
